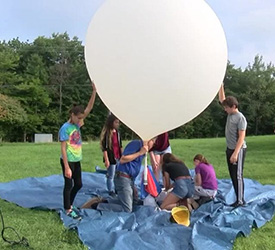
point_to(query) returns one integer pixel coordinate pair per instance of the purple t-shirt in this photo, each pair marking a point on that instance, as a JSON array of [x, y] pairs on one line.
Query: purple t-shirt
[[208, 176]]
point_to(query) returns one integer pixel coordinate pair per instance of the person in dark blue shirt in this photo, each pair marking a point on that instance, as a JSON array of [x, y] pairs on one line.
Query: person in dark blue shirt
[[127, 170]]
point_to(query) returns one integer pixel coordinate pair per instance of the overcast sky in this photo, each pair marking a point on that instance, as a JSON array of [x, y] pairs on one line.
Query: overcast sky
[[249, 25]]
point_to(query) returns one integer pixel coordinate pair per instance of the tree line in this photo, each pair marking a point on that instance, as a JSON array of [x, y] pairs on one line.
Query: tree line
[[41, 80]]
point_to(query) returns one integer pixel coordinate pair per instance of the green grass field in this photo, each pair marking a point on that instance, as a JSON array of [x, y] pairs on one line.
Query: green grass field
[[44, 229]]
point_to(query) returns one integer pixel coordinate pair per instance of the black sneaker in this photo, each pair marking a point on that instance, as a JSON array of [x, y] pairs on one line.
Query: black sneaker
[[74, 215], [233, 204], [238, 204], [203, 200]]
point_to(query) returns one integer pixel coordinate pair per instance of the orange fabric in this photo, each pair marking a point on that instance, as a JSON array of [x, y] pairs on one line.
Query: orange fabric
[[151, 187]]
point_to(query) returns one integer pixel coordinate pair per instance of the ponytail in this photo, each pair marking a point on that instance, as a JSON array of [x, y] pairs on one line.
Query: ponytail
[[201, 158]]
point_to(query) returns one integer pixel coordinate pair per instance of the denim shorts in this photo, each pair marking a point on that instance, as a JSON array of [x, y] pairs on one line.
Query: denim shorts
[[167, 150], [183, 188]]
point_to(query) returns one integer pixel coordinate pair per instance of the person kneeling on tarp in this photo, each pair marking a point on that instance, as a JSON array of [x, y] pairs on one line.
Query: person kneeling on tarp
[[205, 180], [127, 170], [183, 186]]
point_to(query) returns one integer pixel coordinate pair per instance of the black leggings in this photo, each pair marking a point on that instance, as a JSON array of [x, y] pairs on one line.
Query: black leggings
[[71, 185]]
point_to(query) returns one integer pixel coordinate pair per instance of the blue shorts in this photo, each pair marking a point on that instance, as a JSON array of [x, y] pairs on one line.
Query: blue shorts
[[167, 150], [183, 188]]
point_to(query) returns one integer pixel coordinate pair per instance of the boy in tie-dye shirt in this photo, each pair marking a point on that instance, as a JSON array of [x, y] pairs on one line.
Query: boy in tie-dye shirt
[[71, 154]]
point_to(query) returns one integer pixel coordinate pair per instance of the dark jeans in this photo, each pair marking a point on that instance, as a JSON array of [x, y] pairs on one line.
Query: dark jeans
[[236, 173], [71, 185]]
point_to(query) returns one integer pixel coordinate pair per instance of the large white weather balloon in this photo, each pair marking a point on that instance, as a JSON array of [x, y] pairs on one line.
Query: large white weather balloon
[[156, 63]]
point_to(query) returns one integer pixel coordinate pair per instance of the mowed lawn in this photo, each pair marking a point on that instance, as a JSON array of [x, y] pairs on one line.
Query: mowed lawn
[[44, 229]]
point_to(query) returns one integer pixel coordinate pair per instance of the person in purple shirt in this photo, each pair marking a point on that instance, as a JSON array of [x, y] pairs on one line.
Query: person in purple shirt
[[205, 178]]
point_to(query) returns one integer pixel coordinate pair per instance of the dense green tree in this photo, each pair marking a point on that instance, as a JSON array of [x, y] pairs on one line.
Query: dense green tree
[[259, 96], [12, 116], [9, 61], [42, 80], [33, 95]]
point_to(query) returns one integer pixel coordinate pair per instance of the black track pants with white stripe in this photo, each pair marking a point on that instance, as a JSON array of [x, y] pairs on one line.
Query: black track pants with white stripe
[[236, 173]]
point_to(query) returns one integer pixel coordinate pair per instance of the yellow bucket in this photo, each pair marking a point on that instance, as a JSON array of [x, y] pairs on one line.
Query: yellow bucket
[[180, 215]]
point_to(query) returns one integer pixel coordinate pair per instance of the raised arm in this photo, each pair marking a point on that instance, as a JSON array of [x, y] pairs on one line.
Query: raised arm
[[91, 102], [221, 93]]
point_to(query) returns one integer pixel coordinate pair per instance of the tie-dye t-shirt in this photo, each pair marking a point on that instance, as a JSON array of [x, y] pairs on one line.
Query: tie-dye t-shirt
[[71, 134]]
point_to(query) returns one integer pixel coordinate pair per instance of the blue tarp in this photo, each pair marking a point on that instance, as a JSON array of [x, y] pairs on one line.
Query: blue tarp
[[213, 226]]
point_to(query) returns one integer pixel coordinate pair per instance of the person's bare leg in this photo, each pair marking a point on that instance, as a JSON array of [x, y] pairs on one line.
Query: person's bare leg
[[170, 202], [160, 169], [157, 167]]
